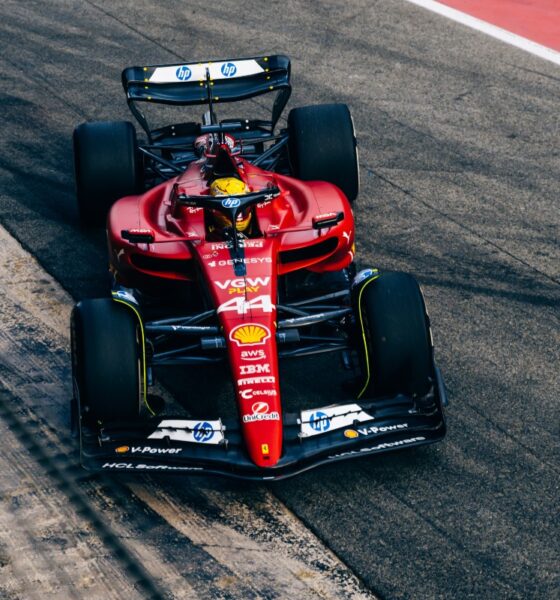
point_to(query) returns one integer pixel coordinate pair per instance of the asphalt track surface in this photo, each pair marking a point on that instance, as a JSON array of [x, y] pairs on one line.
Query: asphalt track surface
[[458, 139]]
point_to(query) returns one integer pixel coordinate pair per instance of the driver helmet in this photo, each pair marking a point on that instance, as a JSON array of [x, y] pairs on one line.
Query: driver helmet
[[230, 186]]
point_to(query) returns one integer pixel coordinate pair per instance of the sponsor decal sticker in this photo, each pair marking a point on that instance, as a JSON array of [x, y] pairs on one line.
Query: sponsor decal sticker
[[148, 450], [264, 449], [253, 354], [319, 421], [250, 394], [183, 73], [242, 282], [253, 369], [122, 449], [242, 243], [142, 467], [249, 334], [188, 430], [260, 413], [203, 432], [382, 429], [255, 380], [228, 69], [197, 71], [351, 434], [339, 417], [255, 260], [382, 446], [243, 290], [231, 202]]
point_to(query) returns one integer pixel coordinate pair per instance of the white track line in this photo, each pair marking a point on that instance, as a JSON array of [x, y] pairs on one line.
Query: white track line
[[491, 30]]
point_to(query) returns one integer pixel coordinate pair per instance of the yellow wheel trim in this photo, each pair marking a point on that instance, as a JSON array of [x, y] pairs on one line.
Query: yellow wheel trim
[[368, 371], [143, 341]]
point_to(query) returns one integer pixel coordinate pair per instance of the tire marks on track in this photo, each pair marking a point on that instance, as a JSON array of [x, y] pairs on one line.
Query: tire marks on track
[[168, 537], [50, 558]]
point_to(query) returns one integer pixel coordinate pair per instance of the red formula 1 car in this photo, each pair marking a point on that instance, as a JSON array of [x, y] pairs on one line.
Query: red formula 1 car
[[231, 242]]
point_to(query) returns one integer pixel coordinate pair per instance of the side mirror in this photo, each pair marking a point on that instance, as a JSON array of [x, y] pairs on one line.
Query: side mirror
[[327, 220], [138, 236]]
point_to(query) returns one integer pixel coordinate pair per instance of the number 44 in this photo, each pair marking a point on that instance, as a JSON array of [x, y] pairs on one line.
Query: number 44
[[242, 306]]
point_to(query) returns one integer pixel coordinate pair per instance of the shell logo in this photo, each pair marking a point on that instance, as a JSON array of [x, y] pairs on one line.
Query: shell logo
[[249, 334], [122, 449], [351, 433]]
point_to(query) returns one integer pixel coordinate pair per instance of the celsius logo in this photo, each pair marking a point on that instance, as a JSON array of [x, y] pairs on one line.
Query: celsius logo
[[183, 73], [203, 432], [231, 202], [228, 69], [319, 421]]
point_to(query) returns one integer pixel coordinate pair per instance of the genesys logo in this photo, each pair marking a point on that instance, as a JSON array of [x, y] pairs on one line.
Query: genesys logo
[[250, 394], [260, 412], [253, 354], [255, 380], [253, 260], [254, 369], [146, 450]]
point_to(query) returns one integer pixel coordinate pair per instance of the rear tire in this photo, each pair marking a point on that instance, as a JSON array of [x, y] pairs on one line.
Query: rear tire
[[106, 167], [105, 361], [398, 351], [322, 146]]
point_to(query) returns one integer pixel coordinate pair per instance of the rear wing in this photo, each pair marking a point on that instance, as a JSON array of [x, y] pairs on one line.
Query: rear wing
[[230, 80]]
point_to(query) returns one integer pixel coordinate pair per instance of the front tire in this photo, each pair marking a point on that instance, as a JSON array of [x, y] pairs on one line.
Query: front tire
[[106, 167], [322, 146], [106, 361], [394, 337]]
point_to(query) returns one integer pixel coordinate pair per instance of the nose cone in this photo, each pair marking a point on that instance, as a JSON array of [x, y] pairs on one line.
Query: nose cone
[[262, 427], [253, 359], [245, 305]]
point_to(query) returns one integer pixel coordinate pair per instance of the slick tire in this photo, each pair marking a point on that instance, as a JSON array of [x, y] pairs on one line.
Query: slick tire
[[322, 146], [106, 167], [394, 340], [106, 361]]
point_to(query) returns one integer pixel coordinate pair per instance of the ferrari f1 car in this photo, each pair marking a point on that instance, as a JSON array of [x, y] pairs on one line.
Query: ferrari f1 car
[[232, 241]]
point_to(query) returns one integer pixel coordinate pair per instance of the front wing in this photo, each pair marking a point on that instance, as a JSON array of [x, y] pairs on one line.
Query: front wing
[[311, 438]]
